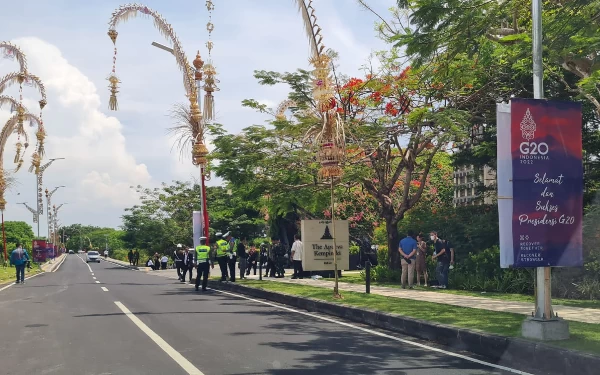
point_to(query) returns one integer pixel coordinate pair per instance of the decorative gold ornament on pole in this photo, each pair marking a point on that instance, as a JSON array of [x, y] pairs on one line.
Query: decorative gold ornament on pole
[[210, 82], [329, 135]]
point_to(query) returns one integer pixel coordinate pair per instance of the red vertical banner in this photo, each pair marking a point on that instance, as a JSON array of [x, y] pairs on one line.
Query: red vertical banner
[[38, 249], [547, 183]]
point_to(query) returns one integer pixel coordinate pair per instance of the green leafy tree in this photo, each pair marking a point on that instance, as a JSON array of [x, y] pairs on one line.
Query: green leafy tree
[[18, 232]]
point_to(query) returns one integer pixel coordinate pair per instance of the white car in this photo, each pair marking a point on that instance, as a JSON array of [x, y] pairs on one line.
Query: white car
[[93, 256]]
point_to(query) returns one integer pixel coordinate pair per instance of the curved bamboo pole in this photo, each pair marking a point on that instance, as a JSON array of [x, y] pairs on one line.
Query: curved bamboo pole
[[12, 51], [11, 126], [24, 77], [128, 11]]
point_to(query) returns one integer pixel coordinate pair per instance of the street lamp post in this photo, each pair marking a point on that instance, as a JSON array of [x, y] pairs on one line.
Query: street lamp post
[[55, 226], [40, 202], [48, 202]]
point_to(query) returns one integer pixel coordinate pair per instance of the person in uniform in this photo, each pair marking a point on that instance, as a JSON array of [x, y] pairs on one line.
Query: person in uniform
[[231, 254], [279, 254], [222, 248], [203, 262]]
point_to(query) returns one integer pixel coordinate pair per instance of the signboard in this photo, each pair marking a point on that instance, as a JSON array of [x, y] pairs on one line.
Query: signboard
[[317, 238], [547, 174], [38, 249], [49, 250]]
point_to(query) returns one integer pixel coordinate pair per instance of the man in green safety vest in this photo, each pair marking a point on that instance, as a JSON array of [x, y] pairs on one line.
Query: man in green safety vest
[[203, 261], [222, 248], [231, 254]]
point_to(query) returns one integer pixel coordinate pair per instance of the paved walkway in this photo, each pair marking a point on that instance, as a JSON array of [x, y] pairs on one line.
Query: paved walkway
[[578, 314]]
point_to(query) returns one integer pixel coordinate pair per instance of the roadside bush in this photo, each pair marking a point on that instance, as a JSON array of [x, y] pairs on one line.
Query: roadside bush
[[382, 254], [383, 274], [354, 249]]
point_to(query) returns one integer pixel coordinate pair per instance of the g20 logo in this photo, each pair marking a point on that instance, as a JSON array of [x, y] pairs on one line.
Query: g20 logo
[[533, 148]]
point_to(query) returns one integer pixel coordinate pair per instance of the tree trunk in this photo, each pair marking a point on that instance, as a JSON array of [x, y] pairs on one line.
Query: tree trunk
[[391, 226]]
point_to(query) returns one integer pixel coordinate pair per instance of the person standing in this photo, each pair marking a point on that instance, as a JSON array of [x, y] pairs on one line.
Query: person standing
[[163, 262], [278, 257], [444, 256], [178, 259], [252, 260], [408, 251], [243, 257], [105, 254], [297, 252], [203, 262], [231, 254], [136, 257], [19, 258], [188, 264], [130, 257], [222, 247], [421, 266]]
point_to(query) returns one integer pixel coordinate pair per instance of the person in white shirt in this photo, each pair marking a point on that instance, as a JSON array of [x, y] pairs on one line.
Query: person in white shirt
[[163, 262], [297, 250], [105, 254]]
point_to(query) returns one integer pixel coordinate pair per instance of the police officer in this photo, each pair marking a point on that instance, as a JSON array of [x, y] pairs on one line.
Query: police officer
[[203, 260], [278, 256], [222, 247], [231, 254]]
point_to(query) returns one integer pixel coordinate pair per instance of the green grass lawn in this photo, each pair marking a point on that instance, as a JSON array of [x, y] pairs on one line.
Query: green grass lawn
[[584, 336], [8, 274], [356, 279]]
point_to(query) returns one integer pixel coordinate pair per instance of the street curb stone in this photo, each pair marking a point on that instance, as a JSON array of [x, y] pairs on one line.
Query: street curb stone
[[510, 351]]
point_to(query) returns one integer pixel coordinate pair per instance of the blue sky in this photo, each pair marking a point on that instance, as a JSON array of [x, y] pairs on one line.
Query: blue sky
[[67, 46]]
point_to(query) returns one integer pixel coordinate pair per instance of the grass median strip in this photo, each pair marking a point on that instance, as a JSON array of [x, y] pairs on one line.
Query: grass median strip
[[357, 279], [584, 336]]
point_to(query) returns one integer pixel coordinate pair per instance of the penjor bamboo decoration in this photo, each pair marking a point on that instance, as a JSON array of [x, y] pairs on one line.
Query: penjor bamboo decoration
[[9, 128], [34, 81], [11, 51], [210, 82], [329, 135], [128, 11]]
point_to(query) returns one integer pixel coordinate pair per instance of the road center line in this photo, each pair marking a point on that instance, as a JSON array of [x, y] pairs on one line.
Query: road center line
[[104, 288], [376, 333], [174, 354], [97, 282], [94, 277]]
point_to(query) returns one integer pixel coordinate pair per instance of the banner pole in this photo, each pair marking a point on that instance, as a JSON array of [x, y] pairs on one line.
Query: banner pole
[[543, 302]]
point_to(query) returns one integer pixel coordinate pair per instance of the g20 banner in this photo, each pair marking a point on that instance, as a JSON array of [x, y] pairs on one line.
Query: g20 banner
[[547, 183], [38, 248]]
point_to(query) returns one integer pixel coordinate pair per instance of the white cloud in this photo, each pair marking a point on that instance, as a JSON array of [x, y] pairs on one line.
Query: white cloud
[[97, 169]]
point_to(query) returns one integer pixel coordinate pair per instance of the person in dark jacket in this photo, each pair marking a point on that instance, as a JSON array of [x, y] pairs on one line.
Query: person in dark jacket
[[252, 261], [130, 257], [188, 263], [178, 259], [243, 257], [19, 259]]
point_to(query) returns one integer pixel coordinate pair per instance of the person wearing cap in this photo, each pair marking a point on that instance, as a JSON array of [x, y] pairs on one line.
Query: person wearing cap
[[178, 259], [203, 262], [222, 248], [231, 254]]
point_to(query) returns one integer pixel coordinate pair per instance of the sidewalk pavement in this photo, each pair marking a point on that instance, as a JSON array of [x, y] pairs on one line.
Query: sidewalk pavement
[[578, 314]]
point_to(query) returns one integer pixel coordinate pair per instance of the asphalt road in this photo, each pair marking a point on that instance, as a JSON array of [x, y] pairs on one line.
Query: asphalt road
[[132, 322]]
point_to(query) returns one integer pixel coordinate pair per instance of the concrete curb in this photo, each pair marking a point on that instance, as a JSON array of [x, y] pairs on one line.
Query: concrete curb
[[121, 263], [508, 350], [49, 267]]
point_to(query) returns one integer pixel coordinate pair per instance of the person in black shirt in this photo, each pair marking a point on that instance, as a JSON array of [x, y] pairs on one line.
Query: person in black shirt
[[243, 257], [252, 260], [444, 255]]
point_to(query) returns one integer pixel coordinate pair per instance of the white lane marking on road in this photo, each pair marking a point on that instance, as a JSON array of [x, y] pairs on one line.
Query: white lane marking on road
[[97, 282], [86, 263], [174, 354], [116, 264], [104, 288], [423, 346], [94, 277], [60, 264], [92, 274], [27, 278]]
